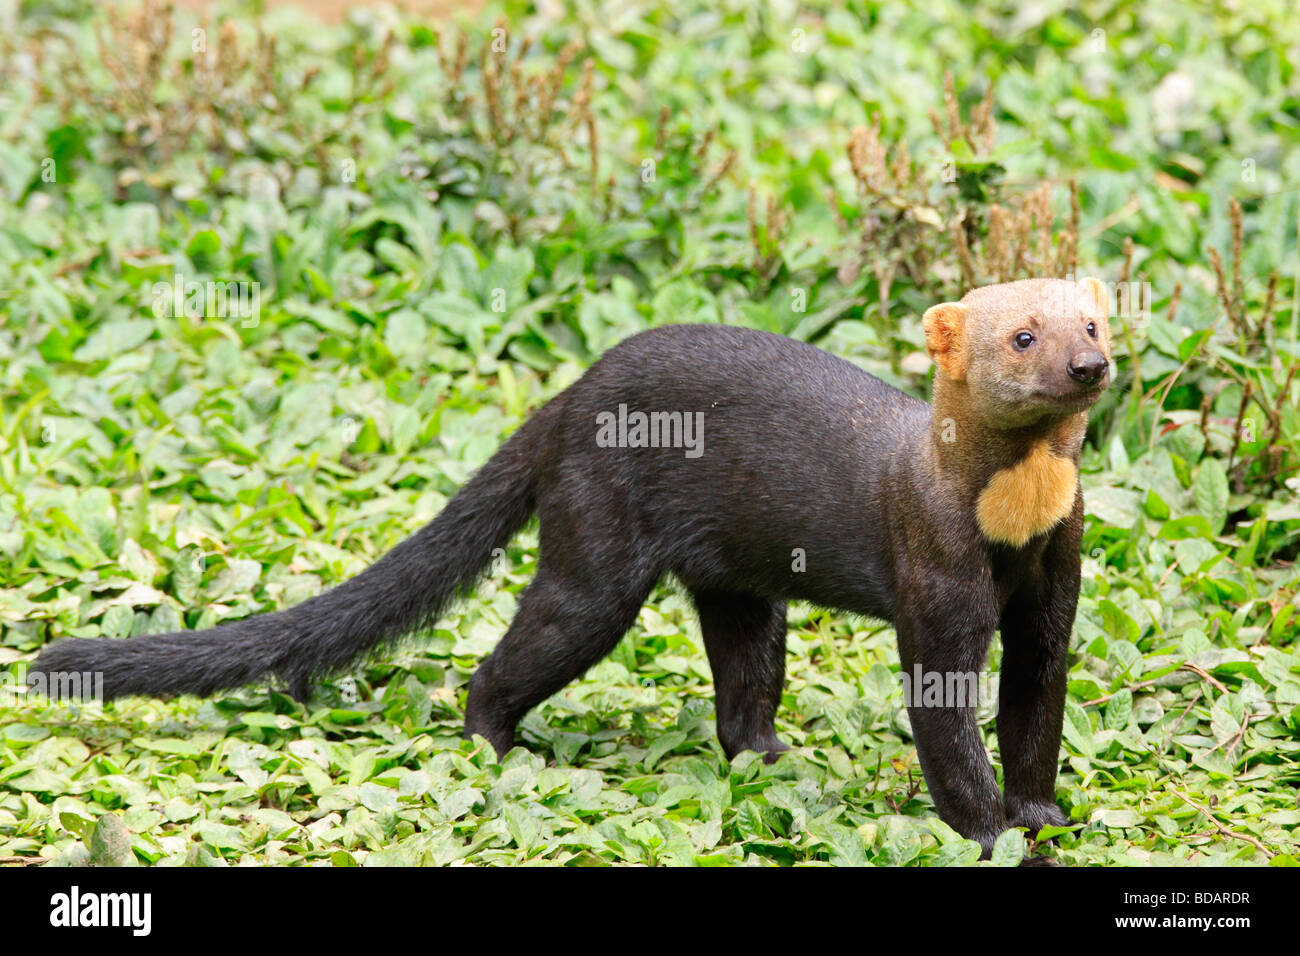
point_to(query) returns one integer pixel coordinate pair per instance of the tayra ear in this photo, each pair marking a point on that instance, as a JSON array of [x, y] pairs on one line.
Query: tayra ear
[[945, 339], [1096, 299], [1095, 292]]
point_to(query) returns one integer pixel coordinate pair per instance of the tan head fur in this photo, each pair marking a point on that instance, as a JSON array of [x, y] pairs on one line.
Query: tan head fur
[[1025, 349]]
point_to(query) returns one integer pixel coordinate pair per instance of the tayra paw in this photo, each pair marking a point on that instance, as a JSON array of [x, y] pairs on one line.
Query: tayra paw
[[770, 747], [773, 749], [1034, 815]]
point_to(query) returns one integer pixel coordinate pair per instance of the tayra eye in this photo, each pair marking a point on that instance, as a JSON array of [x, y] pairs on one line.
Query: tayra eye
[[1092, 329], [1023, 340]]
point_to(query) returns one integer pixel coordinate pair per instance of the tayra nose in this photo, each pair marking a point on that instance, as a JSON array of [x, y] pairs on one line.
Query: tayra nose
[[1087, 367]]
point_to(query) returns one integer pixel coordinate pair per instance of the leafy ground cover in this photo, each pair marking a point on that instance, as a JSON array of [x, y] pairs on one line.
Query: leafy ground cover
[[425, 230]]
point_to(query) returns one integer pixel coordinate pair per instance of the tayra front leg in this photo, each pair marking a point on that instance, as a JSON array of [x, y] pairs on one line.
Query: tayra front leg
[[744, 636], [942, 658], [1036, 626]]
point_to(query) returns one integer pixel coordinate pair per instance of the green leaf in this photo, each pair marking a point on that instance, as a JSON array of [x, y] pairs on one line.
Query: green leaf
[[117, 621], [110, 843], [1009, 848], [204, 242], [1210, 491], [1119, 818], [959, 853], [1119, 710], [78, 826], [406, 333], [114, 338], [1077, 729], [377, 798], [187, 574], [319, 781], [902, 843], [169, 745], [24, 735], [220, 835], [662, 745], [1156, 506]]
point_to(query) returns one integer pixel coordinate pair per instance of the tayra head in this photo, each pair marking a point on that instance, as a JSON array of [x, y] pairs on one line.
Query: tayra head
[[1025, 350]]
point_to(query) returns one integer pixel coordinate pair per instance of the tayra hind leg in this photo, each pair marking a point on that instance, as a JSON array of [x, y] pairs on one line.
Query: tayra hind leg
[[744, 636], [565, 624]]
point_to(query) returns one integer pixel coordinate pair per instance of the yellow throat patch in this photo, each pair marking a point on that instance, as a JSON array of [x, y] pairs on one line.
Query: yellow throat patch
[[1028, 498]]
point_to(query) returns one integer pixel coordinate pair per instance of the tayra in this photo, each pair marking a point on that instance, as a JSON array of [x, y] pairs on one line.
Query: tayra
[[756, 469]]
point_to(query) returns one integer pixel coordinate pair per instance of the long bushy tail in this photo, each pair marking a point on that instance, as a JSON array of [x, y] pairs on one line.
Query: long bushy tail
[[405, 589]]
